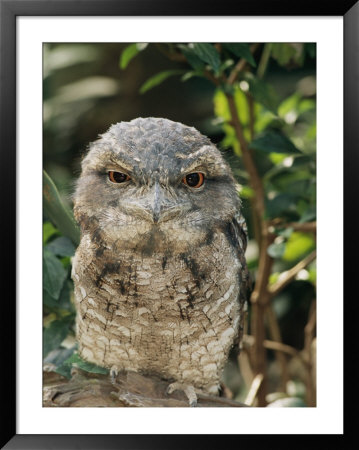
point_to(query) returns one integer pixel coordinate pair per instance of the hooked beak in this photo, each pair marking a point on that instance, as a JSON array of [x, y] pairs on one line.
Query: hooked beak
[[156, 206], [157, 203], [161, 208]]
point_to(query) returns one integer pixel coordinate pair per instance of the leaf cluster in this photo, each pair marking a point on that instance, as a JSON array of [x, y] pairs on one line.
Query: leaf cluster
[[280, 131]]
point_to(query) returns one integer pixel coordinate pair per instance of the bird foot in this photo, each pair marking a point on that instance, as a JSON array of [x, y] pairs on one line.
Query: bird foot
[[188, 389], [113, 374]]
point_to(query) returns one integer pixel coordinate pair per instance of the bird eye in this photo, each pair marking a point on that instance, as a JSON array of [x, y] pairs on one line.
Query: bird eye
[[118, 177], [194, 180]]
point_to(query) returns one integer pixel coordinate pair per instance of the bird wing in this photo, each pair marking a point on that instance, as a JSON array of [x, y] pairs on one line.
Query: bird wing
[[239, 238]]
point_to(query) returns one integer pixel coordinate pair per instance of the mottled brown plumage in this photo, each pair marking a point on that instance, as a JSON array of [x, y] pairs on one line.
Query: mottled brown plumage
[[160, 274]]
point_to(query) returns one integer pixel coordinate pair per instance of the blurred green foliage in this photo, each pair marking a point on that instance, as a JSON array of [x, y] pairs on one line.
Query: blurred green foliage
[[87, 87]]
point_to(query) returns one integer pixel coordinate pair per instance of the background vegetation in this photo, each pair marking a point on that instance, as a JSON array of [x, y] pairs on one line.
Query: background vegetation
[[257, 103]]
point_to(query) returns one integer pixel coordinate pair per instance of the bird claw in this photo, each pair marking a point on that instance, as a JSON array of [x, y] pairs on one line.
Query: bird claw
[[188, 389], [113, 374]]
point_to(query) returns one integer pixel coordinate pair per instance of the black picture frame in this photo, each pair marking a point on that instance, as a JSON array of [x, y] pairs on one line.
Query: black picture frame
[[9, 10]]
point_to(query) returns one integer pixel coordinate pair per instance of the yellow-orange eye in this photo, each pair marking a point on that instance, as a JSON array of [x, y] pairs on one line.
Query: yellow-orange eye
[[118, 177], [194, 180]]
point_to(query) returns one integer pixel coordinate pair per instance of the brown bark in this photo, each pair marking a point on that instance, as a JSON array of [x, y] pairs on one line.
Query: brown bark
[[130, 389]]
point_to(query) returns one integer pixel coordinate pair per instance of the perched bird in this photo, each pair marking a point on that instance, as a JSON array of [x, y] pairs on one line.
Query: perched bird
[[160, 273]]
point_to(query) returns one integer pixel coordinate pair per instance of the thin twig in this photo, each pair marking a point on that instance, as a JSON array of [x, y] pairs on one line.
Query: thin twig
[[245, 367], [240, 66], [173, 56], [253, 390], [275, 334], [211, 77], [289, 275], [310, 227], [263, 63], [309, 333], [279, 347]]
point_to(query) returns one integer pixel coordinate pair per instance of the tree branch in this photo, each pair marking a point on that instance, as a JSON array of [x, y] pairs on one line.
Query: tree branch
[[253, 390], [130, 389], [248, 161], [306, 227], [260, 295], [290, 274], [278, 347], [173, 56], [211, 77]]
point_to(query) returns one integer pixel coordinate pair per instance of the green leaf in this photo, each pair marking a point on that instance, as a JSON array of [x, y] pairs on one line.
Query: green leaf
[[48, 230], [305, 161], [309, 215], [274, 142], [208, 54], [276, 250], [129, 53], [246, 192], [277, 159], [230, 139], [286, 180], [305, 105], [288, 53], [59, 355], [63, 303], [298, 245], [48, 300], [282, 205], [241, 51], [57, 212], [76, 361], [54, 274], [273, 277], [301, 188], [65, 297], [54, 334], [192, 58], [87, 366], [293, 107], [289, 104], [157, 79], [265, 119], [226, 64], [190, 74], [282, 53], [285, 232], [312, 131], [262, 92], [61, 246], [242, 106], [311, 49], [221, 108], [64, 370], [312, 274]]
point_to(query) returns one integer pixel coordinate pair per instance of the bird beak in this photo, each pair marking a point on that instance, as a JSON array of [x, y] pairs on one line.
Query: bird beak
[[156, 205], [158, 202], [161, 207]]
